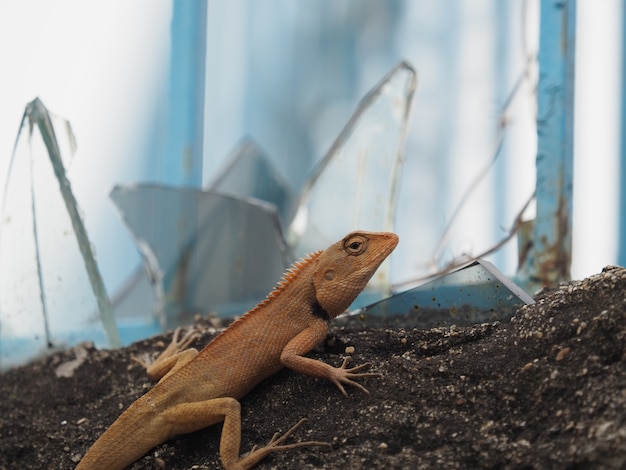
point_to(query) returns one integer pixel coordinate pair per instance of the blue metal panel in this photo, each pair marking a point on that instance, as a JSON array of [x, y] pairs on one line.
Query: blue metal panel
[[549, 258], [182, 158]]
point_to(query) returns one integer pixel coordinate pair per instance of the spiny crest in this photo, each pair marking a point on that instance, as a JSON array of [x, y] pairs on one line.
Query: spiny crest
[[291, 273], [288, 277]]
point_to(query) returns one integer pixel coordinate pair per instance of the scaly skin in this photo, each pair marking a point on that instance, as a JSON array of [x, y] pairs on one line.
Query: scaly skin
[[197, 390]]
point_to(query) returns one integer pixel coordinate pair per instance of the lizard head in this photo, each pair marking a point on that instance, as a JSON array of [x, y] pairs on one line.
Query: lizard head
[[344, 268]]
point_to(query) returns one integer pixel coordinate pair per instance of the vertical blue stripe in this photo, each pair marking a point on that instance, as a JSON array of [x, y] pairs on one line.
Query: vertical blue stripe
[[621, 253], [182, 158], [501, 16]]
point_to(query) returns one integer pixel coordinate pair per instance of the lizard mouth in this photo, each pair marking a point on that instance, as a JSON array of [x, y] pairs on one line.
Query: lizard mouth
[[391, 241]]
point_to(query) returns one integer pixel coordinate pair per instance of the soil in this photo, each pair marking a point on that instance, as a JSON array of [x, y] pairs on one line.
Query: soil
[[546, 390]]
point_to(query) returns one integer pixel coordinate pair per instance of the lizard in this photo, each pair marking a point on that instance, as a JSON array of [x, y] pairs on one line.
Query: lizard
[[198, 389]]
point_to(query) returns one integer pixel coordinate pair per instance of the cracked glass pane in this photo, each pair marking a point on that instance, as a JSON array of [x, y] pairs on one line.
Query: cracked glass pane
[[205, 251], [249, 173], [355, 185], [476, 293], [49, 282]]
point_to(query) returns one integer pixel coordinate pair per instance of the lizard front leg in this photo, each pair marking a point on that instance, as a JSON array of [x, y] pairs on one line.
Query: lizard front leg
[[292, 357]]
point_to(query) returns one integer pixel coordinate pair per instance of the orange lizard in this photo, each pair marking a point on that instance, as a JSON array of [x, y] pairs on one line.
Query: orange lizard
[[197, 390]]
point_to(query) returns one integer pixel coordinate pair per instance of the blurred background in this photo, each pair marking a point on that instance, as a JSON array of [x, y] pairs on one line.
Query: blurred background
[[289, 75]]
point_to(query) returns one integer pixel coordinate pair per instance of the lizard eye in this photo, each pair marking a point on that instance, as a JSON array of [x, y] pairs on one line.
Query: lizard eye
[[355, 245]]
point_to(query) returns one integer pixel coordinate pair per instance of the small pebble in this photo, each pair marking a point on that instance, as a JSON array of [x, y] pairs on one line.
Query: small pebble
[[562, 354]]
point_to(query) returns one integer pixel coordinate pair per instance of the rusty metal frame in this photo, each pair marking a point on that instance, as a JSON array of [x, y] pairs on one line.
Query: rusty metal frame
[[548, 259]]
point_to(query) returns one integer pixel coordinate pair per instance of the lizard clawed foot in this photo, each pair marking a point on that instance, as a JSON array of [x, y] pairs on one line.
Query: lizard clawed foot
[[180, 345], [176, 346], [342, 375], [276, 444]]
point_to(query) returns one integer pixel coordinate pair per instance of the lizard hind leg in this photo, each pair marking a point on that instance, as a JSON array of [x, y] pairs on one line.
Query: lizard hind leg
[[275, 445], [188, 417]]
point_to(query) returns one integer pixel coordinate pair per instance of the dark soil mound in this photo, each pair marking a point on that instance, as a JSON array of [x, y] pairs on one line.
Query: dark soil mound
[[547, 390]]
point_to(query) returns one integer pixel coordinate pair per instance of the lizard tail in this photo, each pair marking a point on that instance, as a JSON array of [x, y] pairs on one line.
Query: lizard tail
[[126, 440]]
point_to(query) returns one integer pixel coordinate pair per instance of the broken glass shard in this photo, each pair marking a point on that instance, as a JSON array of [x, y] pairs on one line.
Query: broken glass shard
[[134, 305], [355, 185], [49, 280], [476, 293], [204, 251], [249, 173]]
